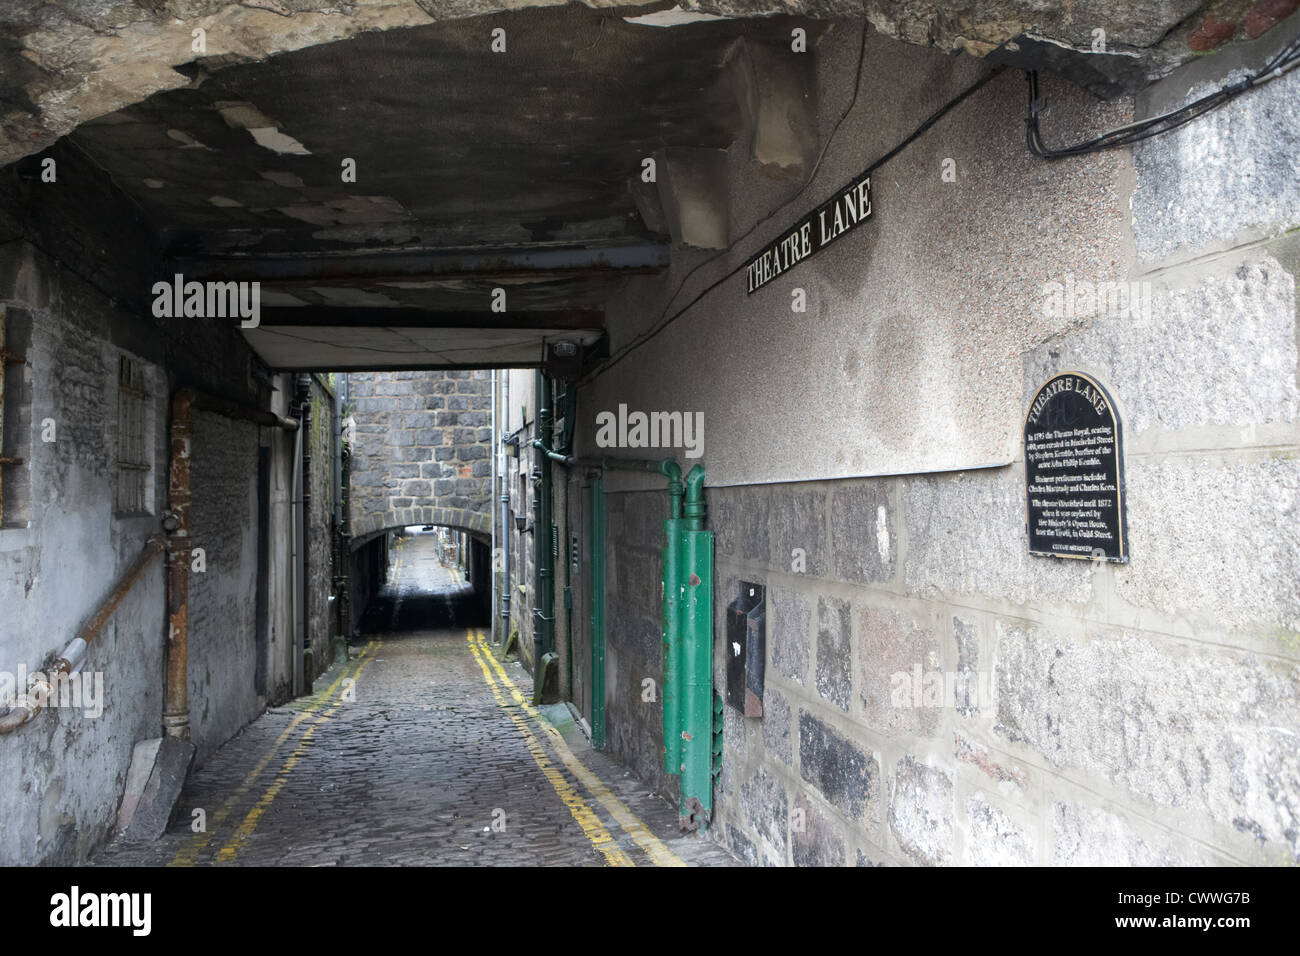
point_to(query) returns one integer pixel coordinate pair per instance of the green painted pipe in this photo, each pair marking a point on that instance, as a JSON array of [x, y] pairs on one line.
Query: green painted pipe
[[697, 677], [671, 691], [672, 599], [673, 585], [695, 498], [695, 658]]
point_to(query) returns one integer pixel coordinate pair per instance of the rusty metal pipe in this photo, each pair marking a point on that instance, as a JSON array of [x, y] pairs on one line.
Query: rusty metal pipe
[[25, 708], [69, 661], [95, 623], [176, 705]]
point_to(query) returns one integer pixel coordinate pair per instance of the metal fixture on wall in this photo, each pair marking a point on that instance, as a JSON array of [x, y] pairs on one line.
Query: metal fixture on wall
[[304, 414], [543, 560], [746, 638], [691, 715]]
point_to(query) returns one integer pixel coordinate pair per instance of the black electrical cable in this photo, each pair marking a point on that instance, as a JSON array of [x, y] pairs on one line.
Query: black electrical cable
[[857, 83], [912, 137], [1284, 60]]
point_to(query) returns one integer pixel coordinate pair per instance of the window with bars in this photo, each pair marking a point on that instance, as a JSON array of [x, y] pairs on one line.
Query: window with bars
[[134, 442], [15, 419]]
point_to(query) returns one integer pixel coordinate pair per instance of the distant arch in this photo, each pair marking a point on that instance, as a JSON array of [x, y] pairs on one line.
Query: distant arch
[[477, 524]]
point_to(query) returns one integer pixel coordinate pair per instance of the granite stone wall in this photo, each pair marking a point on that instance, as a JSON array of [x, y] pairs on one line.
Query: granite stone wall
[[422, 452], [935, 695]]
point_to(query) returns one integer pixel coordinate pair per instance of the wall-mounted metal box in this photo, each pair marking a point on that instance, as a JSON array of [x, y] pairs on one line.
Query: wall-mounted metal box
[[746, 651]]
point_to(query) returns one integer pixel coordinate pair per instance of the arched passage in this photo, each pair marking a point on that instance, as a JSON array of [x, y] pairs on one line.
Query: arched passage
[[450, 585]]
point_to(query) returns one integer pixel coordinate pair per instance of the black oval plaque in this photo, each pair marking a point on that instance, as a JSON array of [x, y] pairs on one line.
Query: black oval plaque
[[1074, 471]]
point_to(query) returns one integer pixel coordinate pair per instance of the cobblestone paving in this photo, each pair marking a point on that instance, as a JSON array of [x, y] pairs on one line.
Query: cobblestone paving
[[428, 759]]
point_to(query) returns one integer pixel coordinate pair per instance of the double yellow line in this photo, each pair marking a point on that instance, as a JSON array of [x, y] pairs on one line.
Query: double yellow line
[[595, 831], [522, 714], [188, 855]]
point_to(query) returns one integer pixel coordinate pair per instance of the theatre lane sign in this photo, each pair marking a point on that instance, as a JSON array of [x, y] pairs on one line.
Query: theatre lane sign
[[1074, 472], [846, 209]]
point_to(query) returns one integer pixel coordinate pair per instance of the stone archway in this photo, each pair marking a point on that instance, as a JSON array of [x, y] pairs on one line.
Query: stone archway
[[477, 524]]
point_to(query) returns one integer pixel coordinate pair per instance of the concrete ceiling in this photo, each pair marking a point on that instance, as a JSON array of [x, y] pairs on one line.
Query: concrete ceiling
[[453, 146], [65, 62], [473, 172]]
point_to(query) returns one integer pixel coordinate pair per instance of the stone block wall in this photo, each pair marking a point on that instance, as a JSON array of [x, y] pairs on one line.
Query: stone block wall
[[65, 545], [935, 695], [422, 452], [321, 524]]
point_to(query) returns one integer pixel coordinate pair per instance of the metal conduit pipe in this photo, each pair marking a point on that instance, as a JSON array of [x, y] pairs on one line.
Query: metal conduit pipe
[[505, 560], [672, 588], [304, 414], [338, 548], [69, 662], [176, 522], [506, 533], [543, 564]]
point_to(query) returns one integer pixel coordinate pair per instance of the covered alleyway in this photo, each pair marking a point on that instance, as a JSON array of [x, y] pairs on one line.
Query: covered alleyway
[[420, 750], [874, 427]]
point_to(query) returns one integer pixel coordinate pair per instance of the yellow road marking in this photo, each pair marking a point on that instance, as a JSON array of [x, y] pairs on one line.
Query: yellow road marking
[[591, 826], [629, 821], [254, 816], [188, 855]]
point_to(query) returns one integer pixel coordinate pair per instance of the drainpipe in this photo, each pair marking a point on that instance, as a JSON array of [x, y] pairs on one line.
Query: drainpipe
[[543, 566], [308, 657], [176, 522], [505, 559], [506, 531], [342, 508], [338, 643], [596, 561], [566, 461], [671, 587], [496, 467], [696, 657], [688, 698], [672, 597], [295, 557]]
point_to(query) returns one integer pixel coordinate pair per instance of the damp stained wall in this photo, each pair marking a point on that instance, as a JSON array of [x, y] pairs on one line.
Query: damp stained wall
[[864, 464]]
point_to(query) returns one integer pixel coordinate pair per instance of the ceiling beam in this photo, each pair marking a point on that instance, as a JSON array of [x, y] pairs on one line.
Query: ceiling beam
[[342, 316], [521, 262]]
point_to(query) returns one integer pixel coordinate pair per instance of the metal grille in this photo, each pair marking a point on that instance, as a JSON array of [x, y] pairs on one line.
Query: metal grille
[[133, 463]]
